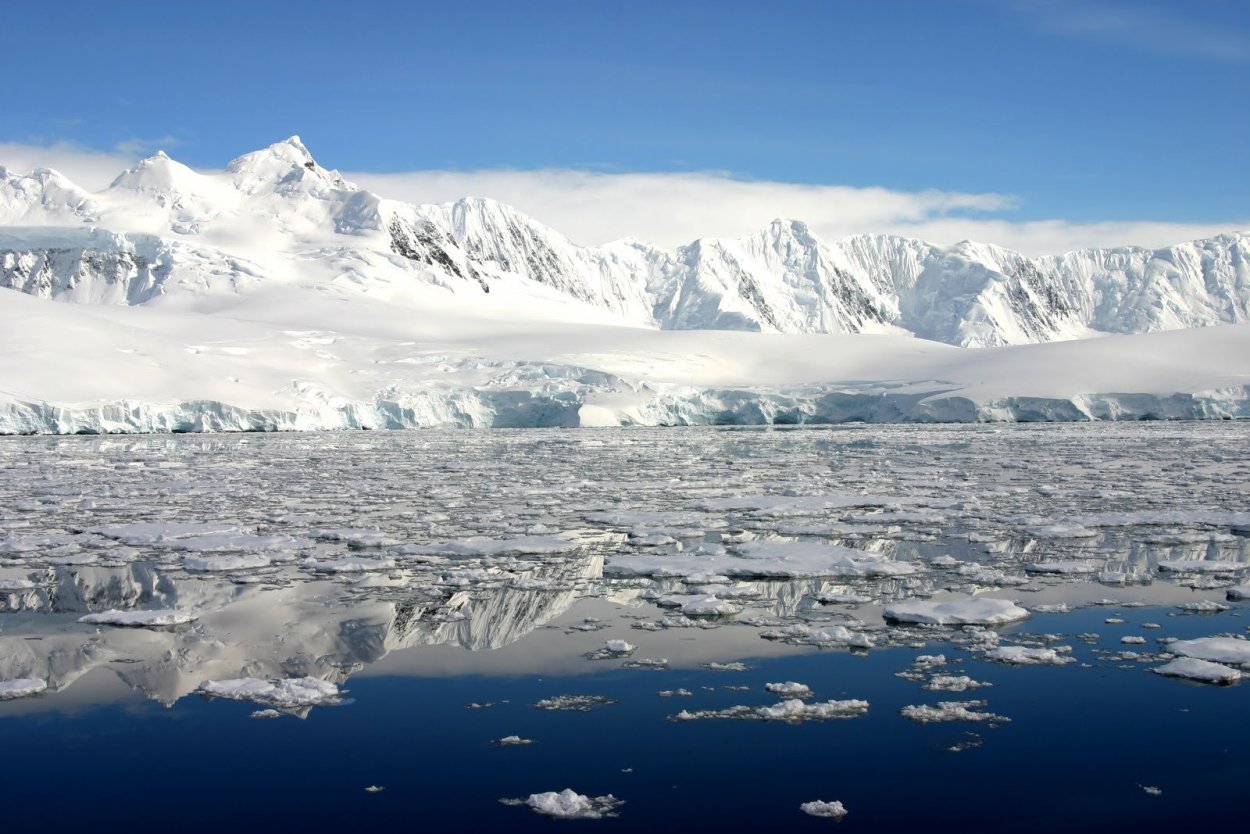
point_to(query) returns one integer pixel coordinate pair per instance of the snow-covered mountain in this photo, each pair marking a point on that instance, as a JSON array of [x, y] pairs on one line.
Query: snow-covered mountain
[[162, 232], [274, 294]]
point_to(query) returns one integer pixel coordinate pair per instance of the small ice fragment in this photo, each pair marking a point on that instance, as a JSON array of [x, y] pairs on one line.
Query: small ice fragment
[[573, 703], [818, 808], [951, 711], [675, 693], [620, 647], [512, 741], [734, 666], [22, 688], [953, 683], [1133, 639], [1205, 606], [1152, 790], [1025, 656], [789, 689], [568, 804], [375, 789], [264, 714]]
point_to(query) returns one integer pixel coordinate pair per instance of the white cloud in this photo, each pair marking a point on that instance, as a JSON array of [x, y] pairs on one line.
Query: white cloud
[[136, 146], [673, 209], [1138, 27], [90, 169], [670, 209]]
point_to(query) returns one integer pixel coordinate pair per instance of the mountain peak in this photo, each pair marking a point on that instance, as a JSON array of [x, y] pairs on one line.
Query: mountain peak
[[157, 172], [284, 167]]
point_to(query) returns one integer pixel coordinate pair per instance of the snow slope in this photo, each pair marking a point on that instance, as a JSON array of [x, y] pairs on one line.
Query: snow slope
[[275, 295]]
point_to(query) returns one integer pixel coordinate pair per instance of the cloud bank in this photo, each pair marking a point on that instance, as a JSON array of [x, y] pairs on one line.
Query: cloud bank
[[673, 209]]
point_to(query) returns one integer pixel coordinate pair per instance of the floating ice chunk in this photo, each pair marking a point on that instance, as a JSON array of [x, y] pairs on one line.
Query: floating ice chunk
[[1062, 531], [486, 546], [21, 688], [778, 557], [233, 543], [1063, 568], [780, 506], [953, 683], [1152, 790], [569, 805], [155, 618], [1238, 592], [374, 789], [789, 689], [732, 666], [620, 647], [1205, 606], [951, 711], [151, 533], [1052, 608], [791, 711], [573, 703], [1199, 670], [242, 561], [928, 661], [347, 565], [956, 611], [708, 606], [354, 538], [1133, 639], [1200, 566], [675, 693], [512, 741], [1217, 649], [265, 714], [286, 693], [819, 808], [1027, 656]]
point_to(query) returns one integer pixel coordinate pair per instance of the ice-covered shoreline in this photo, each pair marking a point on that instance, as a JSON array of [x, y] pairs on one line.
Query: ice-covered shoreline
[[471, 409]]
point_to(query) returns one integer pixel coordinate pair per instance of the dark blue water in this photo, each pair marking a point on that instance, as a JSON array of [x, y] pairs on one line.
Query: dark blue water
[[1080, 744]]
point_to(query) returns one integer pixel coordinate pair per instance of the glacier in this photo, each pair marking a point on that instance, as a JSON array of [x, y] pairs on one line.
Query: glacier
[[276, 295]]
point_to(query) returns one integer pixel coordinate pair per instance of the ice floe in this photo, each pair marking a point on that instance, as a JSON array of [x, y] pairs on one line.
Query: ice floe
[[956, 611], [284, 693], [1199, 670], [952, 711], [569, 805], [573, 703], [1216, 649], [791, 711], [789, 689], [22, 688], [819, 808], [1030, 656]]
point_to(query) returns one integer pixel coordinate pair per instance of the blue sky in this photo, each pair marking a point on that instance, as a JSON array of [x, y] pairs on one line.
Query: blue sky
[[1079, 111]]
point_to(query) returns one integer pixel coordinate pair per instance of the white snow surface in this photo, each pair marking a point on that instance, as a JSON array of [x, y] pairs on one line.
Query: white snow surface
[[956, 611], [276, 295]]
